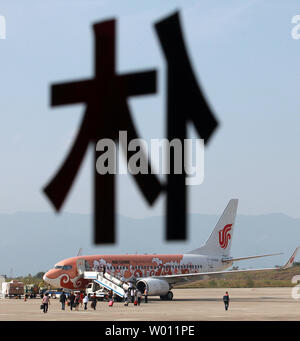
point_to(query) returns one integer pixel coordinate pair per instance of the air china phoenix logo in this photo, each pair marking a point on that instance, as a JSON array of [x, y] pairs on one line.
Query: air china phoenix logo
[[224, 236]]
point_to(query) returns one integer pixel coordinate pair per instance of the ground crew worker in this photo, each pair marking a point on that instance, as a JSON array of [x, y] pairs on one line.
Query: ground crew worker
[[226, 300]]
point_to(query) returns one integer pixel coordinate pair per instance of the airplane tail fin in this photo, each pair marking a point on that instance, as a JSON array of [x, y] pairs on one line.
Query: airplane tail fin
[[290, 262], [219, 242]]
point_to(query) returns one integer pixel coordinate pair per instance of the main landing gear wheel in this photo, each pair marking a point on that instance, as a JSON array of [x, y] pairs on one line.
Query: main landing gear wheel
[[167, 297]]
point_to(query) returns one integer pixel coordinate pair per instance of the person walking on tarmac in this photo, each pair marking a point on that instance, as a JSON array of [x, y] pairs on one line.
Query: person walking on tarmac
[[94, 301], [81, 298], [126, 298], [85, 301], [139, 296], [71, 300], [132, 292], [226, 300], [146, 295], [46, 302], [62, 300], [76, 301], [110, 295]]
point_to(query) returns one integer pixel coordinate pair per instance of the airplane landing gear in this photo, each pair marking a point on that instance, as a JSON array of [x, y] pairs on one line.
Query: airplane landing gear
[[167, 297]]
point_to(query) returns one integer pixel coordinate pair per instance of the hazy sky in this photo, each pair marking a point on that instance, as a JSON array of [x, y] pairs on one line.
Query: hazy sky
[[242, 53]]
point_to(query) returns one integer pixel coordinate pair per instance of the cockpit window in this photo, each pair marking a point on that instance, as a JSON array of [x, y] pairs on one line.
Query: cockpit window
[[67, 267], [63, 267]]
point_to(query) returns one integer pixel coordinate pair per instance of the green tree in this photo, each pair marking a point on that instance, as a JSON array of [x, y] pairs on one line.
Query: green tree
[[40, 275]]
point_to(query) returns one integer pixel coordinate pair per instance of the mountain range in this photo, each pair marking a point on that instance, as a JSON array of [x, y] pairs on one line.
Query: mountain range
[[31, 242]]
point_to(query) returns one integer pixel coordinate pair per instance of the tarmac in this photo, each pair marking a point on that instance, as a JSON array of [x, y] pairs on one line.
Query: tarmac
[[246, 304]]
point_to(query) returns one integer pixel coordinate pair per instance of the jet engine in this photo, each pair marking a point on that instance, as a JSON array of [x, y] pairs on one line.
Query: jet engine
[[155, 287]]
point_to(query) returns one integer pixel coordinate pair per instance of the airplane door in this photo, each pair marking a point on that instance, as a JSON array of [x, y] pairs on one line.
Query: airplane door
[[80, 266]]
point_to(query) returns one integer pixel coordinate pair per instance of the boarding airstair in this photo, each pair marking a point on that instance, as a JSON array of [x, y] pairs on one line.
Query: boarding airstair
[[107, 281]]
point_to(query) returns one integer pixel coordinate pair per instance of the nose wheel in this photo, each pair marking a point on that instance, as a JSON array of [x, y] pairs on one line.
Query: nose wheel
[[167, 297]]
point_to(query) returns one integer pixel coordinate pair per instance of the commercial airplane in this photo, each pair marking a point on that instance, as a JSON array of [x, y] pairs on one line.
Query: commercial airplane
[[158, 272]]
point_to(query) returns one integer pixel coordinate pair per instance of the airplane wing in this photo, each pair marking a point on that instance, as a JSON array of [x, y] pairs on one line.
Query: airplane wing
[[176, 279], [229, 260]]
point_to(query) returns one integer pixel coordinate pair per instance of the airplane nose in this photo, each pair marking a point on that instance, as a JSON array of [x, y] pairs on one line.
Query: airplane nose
[[46, 278], [51, 278]]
